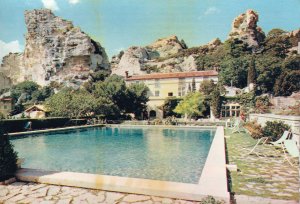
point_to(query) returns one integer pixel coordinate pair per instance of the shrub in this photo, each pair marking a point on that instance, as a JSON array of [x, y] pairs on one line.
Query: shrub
[[8, 158], [157, 121], [210, 200], [255, 130], [275, 129], [262, 104]]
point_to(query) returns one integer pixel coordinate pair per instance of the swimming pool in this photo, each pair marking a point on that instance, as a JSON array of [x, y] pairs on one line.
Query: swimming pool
[[168, 154]]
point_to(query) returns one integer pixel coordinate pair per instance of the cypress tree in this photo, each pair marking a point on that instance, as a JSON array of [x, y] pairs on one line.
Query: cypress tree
[[193, 85], [251, 73]]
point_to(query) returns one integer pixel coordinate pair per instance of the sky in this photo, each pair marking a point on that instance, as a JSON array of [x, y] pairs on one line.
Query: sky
[[119, 24]]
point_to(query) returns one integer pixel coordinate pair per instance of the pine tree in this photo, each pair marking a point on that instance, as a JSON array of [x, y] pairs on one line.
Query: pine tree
[[251, 73], [8, 157]]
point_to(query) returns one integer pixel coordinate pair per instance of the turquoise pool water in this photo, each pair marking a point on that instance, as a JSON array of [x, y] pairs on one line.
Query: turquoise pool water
[[151, 153]]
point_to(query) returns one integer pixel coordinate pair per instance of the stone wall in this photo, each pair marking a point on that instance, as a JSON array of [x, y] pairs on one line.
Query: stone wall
[[293, 121]]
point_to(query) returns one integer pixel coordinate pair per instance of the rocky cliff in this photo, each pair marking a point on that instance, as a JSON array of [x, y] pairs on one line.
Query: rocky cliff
[[164, 55], [159, 56], [244, 27], [55, 50]]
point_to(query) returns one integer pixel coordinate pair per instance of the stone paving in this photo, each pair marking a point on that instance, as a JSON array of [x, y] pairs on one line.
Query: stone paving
[[21, 192], [266, 175]]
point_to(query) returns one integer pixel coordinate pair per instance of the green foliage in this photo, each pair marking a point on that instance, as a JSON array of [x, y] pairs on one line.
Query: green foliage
[[42, 94], [191, 105], [210, 200], [276, 32], [99, 75], [216, 102], [109, 99], [130, 99], [70, 103], [8, 157], [287, 83], [234, 70], [275, 129], [136, 98], [251, 78], [276, 43], [112, 88], [262, 104], [169, 106], [247, 100], [207, 87], [27, 87]]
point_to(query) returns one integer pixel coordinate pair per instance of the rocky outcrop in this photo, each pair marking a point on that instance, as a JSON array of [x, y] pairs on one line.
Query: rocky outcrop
[[13, 67], [5, 82], [166, 46], [132, 61], [244, 27], [55, 50], [142, 60]]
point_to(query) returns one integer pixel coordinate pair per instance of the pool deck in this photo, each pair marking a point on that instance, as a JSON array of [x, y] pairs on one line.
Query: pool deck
[[213, 180]]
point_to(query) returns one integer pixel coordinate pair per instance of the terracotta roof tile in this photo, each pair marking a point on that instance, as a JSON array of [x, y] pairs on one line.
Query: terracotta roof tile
[[172, 75]]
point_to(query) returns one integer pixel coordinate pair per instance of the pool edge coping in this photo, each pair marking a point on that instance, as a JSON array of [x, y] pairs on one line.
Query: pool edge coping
[[213, 180], [35, 132]]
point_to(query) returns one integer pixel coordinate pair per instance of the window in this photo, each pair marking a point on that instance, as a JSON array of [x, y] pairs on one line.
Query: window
[[5, 107], [157, 83], [156, 93], [170, 94]]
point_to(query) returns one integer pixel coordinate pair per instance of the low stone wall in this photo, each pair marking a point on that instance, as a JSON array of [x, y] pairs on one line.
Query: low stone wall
[[293, 121]]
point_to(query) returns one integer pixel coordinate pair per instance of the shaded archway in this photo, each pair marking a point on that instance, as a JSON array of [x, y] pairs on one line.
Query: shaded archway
[[152, 114]]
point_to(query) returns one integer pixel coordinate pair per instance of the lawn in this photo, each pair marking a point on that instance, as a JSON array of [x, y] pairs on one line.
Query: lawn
[[267, 176]]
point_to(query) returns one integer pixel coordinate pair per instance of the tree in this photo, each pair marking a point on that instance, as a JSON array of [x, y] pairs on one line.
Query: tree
[[193, 85], [42, 94], [26, 87], [234, 70], [251, 73], [207, 87], [112, 88], [287, 83], [277, 43], [136, 98], [191, 105], [216, 102], [131, 99], [169, 105], [8, 157], [71, 103]]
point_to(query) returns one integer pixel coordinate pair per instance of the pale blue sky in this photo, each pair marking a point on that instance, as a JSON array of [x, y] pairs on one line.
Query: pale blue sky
[[119, 24]]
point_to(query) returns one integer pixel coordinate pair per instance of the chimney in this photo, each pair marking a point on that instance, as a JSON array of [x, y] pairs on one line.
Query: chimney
[[126, 74]]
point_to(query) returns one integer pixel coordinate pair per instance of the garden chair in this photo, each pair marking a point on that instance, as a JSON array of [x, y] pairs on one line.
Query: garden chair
[[285, 136], [230, 123], [261, 141], [290, 147], [238, 126]]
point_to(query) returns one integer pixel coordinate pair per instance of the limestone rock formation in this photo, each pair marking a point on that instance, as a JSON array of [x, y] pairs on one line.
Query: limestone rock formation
[[131, 61], [142, 60], [55, 50], [5, 82], [166, 46], [244, 27]]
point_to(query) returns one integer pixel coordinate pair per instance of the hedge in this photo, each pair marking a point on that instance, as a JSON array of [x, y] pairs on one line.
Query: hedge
[[17, 125]]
